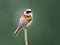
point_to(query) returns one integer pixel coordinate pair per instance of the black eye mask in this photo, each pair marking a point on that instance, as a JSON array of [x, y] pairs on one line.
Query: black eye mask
[[27, 12]]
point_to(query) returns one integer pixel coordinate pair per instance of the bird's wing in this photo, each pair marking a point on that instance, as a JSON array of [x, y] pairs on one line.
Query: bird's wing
[[20, 26], [23, 23]]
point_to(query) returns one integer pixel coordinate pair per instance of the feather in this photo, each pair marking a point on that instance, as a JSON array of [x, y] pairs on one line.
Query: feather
[[21, 25]]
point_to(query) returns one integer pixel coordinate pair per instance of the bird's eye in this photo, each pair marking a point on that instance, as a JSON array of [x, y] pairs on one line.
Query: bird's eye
[[27, 12]]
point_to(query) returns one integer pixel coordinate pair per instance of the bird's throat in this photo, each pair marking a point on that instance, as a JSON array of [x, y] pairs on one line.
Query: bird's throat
[[29, 18], [26, 16]]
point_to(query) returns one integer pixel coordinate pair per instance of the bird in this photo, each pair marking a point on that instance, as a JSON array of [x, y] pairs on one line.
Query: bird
[[24, 21]]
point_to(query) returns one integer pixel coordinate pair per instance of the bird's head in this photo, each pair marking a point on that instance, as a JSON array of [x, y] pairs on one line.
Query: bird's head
[[28, 12]]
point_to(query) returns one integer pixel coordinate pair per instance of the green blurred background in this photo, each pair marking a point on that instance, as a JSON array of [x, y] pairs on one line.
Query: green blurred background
[[45, 28]]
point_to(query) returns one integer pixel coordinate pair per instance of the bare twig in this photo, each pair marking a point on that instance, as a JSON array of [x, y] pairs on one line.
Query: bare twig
[[26, 39]]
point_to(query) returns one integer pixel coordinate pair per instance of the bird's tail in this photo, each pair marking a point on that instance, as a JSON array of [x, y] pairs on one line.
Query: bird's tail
[[17, 31]]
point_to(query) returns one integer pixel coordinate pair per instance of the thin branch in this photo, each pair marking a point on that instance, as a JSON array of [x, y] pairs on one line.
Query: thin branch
[[26, 39]]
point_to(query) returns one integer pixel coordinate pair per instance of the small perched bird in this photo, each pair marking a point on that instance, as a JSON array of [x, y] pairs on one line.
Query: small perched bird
[[25, 21]]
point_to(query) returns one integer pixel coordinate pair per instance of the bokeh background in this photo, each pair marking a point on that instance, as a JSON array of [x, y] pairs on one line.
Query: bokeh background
[[45, 28]]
